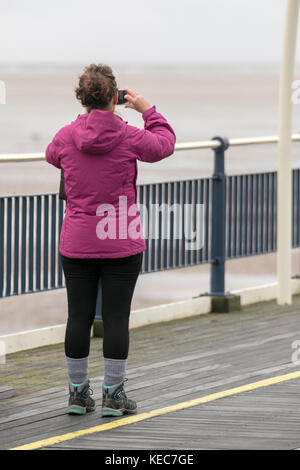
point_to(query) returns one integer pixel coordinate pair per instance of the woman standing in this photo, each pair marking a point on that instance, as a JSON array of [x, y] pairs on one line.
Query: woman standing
[[101, 234]]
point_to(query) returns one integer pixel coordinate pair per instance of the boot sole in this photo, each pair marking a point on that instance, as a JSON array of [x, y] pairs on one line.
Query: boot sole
[[79, 410], [121, 412]]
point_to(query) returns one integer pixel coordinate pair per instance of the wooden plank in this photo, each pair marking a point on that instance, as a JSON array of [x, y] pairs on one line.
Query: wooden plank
[[6, 392], [168, 363]]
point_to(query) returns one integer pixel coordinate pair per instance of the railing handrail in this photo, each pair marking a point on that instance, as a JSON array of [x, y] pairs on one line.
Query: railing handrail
[[204, 144], [213, 144]]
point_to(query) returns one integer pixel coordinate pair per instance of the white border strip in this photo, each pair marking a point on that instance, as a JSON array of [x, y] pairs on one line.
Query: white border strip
[[31, 339], [161, 313], [265, 292], [171, 311]]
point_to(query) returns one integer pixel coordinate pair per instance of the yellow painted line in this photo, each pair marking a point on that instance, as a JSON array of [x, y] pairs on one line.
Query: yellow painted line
[[161, 411]]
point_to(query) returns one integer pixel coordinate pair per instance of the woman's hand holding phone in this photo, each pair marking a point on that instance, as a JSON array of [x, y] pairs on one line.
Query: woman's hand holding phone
[[136, 101]]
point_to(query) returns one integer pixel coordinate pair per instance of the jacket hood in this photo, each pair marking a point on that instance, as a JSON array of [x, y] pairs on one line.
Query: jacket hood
[[98, 131]]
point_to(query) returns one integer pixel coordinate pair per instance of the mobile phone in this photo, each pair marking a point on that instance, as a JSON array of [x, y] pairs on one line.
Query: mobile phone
[[121, 99]]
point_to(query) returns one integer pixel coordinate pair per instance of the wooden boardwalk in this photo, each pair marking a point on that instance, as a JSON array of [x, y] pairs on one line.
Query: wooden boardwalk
[[169, 364]]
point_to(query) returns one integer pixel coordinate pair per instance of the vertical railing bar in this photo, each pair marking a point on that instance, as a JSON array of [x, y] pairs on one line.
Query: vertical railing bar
[[235, 179], [38, 241], [34, 225], [9, 235], [189, 226], [53, 240], [257, 212], [56, 241], [159, 241], [260, 220], [145, 224], [62, 211], [298, 206], [194, 216], [156, 218], [28, 243], [268, 212], [153, 227], [179, 226], [259, 248], [147, 257], [294, 193], [229, 216], [172, 223], [294, 189], [169, 219], [16, 244], [262, 215], [275, 205], [23, 244], [201, 200], [272, 210], [251, 213], [294, 208], [207, 196], [2, 213], [146, 228], [5, 240], [175, 224], [241, 215], [45, 240], [193, 188], [30, 246], [246, 203], [166, 212], [140, 203], [182, 238], [210, 192], [253, 205]]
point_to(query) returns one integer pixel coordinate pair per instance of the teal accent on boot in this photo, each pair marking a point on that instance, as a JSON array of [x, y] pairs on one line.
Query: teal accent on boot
[[111, 386], [79, 385], [111, 413], [76, 410]]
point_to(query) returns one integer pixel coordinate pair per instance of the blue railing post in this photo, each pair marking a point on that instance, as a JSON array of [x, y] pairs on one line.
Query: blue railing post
[[221, 301], [218, 240]]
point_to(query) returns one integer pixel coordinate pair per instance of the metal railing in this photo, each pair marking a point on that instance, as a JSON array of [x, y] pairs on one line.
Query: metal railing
[[204, 144], [239, 219]]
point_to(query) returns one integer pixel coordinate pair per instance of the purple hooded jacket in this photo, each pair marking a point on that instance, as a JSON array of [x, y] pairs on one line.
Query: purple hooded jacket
[[98, 153]]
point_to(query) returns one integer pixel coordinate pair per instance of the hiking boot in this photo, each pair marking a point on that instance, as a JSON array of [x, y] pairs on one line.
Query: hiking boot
[[115, 401], [80, 400]]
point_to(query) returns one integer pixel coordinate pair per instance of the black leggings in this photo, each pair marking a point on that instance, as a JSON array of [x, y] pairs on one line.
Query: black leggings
[[118, 279]]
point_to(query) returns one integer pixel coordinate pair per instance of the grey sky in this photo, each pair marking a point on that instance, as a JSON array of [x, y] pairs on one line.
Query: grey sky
[[142, 31]]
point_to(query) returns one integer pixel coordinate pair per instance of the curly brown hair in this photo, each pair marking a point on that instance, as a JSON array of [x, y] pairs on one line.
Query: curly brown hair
[[97, 85]]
